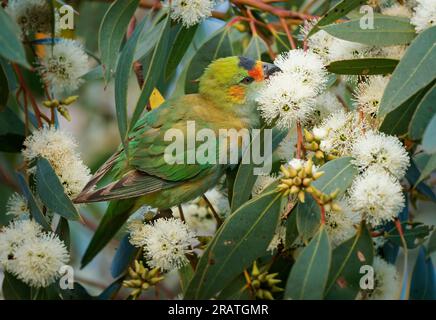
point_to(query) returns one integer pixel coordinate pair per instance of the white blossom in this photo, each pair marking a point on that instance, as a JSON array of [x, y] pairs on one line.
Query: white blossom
[[370, 93], [397, 10], [305, 66], [341, 128], [320, 42], [286, 147], [31, 15], [326, 104], [424, 15], [59, 148], [38, 261], [191, 12], [17, 206], [376, 196], [167, 242], [63, 65], [346, 50], [286, 100], [340, 225], [13, 236], [387, 282], [262, 182], [380, 150], [137, 232]]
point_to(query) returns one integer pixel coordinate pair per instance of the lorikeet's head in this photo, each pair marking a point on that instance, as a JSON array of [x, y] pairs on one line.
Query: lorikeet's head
[[234, 80]]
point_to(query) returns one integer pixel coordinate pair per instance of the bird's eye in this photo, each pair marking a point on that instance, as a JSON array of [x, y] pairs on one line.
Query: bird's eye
[[247, 80]]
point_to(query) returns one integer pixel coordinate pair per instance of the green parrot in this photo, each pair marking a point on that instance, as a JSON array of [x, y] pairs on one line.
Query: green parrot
[[143, 176]]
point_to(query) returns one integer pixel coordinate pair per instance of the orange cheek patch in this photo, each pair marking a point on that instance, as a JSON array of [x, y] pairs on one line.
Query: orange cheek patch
[[257, 72], [237, 94]]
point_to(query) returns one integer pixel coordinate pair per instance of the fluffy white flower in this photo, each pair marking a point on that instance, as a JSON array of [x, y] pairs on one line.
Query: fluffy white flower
[[393, 52], [31, 15], [138, 232], [320, 42], [326, 104], [424, 15], [378, 149], [262, 182], [59, 148], [370, 93], [396, 10], [342, 129], [63, 66], [167, 242], [340, 225], [345, 50], [37, 261], [285, 99], [387, 282], [286, 148], [14, 236], [191, 12], [17, 205], [377, 196], [304, 66]]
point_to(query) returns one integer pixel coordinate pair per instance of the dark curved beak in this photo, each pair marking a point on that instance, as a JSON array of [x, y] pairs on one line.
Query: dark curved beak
[[269, 69]]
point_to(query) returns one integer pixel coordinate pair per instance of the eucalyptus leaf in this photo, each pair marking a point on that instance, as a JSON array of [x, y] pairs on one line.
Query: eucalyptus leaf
[[423, 114], [386, 31], [11, 47], [309, 273], [14, 289], [365, 66], [11, 131], [428, 139], [255, 48], [124, 256], [244, 236], [414, 72], [415, 234], [347, 260], [51, 191], [112, 31]]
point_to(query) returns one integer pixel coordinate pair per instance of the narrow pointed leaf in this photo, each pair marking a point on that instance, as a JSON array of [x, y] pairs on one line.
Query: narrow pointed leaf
[[423, 114], [428, 139], [51, 191], [414, 72], [347, 259], [309, 273], [366, 66], [11, 47], [255, 48], [243, 237], [387, 31], [112, 31]]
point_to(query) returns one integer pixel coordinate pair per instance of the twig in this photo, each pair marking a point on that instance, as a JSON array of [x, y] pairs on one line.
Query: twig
[[288, 33], [219, 221], [182, 216]]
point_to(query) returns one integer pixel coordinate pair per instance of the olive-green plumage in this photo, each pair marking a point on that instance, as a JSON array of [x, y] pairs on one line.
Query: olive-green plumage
[[144, 177]]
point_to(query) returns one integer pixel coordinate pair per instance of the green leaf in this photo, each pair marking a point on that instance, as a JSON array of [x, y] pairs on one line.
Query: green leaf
[[217, 46], [14, 289], [185, 273], [414, 72], [243, 237], [116, 215], [124, 68], [428, 139], [366, 66], [308, 218], [428, 169], [63, 231], [347, 259], [11, 47], [51, 191], [309, 273], [153, 70], [245, 177], [423, 282], [431, 245], [181, 44], [423, 114], [338, 175], [11, 131], [414, 234], [35, 211], [255, 48], [4, 89], [111, 291], [397, 121], [338, 11], [291, 229], [236, 290], [112, 31], [387, 31], [124, 255]]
